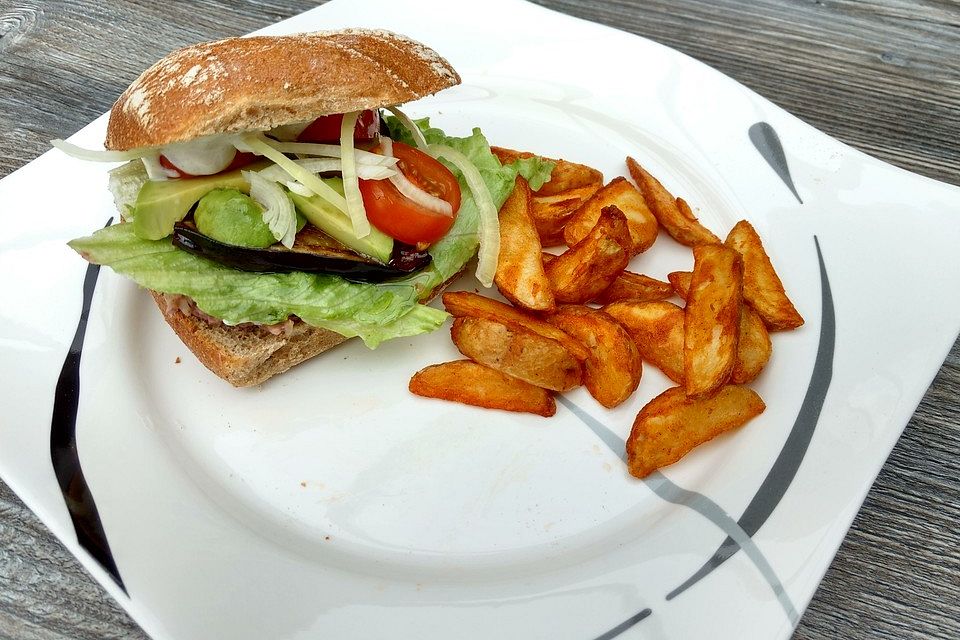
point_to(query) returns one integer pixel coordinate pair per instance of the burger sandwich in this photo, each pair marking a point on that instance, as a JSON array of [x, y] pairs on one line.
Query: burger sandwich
[[273, 208]]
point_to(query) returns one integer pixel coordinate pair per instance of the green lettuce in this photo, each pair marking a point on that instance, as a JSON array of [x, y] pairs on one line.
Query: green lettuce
[[372, 312]]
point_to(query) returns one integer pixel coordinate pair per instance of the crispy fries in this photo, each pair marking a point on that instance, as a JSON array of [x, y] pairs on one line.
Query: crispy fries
[[551, 213], [712, 319], [673, 214], [710, 348], [612, 372], [464, 303], [657, 330], [753, 344], [471, 383], [753, 347], [672, 424], [635, 286], [520, 276], [588, 268], [626, 197], [517, 352], [761, 284]]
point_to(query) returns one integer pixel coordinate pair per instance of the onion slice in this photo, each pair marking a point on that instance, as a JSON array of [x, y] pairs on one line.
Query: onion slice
[[321, 165], [411, 191], [489, 231], [97, 155], [351, 185], [329, 151], [258, 145], [278, 210], [411, 127]]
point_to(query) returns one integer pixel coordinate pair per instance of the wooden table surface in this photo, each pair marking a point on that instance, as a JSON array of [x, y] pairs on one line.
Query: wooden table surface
[[881, 75]]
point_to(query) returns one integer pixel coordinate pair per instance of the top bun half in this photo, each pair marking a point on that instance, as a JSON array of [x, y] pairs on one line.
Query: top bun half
[[258, 83]]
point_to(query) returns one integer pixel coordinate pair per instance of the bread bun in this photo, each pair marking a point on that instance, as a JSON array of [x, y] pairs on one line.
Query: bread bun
[[258, 83]]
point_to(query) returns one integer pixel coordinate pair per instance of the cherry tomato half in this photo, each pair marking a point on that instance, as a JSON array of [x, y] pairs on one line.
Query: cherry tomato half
[[241, 159], [326, 129], [401, 218]]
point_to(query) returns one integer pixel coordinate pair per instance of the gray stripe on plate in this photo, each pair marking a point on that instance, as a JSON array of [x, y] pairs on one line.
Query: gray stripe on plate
[[667, 490]]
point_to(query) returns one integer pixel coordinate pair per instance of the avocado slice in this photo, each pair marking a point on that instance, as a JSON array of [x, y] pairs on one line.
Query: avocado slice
[[335, 223], [161, 203]]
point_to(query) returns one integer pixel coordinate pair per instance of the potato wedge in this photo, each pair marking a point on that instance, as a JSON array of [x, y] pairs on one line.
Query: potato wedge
[[712, 321], [464, 303], [671, 425], [588, 268], [551, 213], [523, 354], [657, 330], [474, 384], [566, 175], [753, 345], [680, 280], [612, 372], [520, 276], [674, 215], [762, 287], [635, 286], [628, 286], [626, 197]]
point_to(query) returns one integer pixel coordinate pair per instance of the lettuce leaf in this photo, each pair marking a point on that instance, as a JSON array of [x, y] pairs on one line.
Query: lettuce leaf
[[371, 312]]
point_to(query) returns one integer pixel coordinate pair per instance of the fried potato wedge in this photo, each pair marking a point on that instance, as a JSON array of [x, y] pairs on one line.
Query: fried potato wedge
[[674, 215], [470, 383], [464, 303], [566, 175], [762, 287], [680, 281], [635, 286], [543, 362], [629, 286], [612, 372], [520, 276], [753, 347], [551, 213], [626, 197], [753, 344], [672, 424], [712, 322], [585, 270], [657, 330]]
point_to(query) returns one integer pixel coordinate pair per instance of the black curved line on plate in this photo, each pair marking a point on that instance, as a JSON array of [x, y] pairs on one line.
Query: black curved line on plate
[[785, 467], [623, 626], [63, 444], [764, 137], [670, 492]]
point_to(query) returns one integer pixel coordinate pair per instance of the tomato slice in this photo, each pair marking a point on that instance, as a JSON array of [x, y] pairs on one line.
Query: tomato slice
[[401, 218], [241, 159], [326, 129]]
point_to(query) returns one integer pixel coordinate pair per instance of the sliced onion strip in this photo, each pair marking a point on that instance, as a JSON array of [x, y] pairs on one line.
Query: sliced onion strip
[[278, 210], [329, 151], [351, 185], [411, 127], [98, 155], [258, 145], [489, 231], [322, 165]]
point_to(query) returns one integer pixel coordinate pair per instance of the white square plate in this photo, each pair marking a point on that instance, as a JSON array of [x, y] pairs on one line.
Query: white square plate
[[332, 503]]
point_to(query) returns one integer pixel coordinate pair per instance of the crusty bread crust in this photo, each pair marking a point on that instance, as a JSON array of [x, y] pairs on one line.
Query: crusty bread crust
[[257, 83]]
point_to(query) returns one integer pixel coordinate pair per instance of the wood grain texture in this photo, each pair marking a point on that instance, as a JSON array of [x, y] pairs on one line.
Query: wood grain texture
[[881, 75]]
